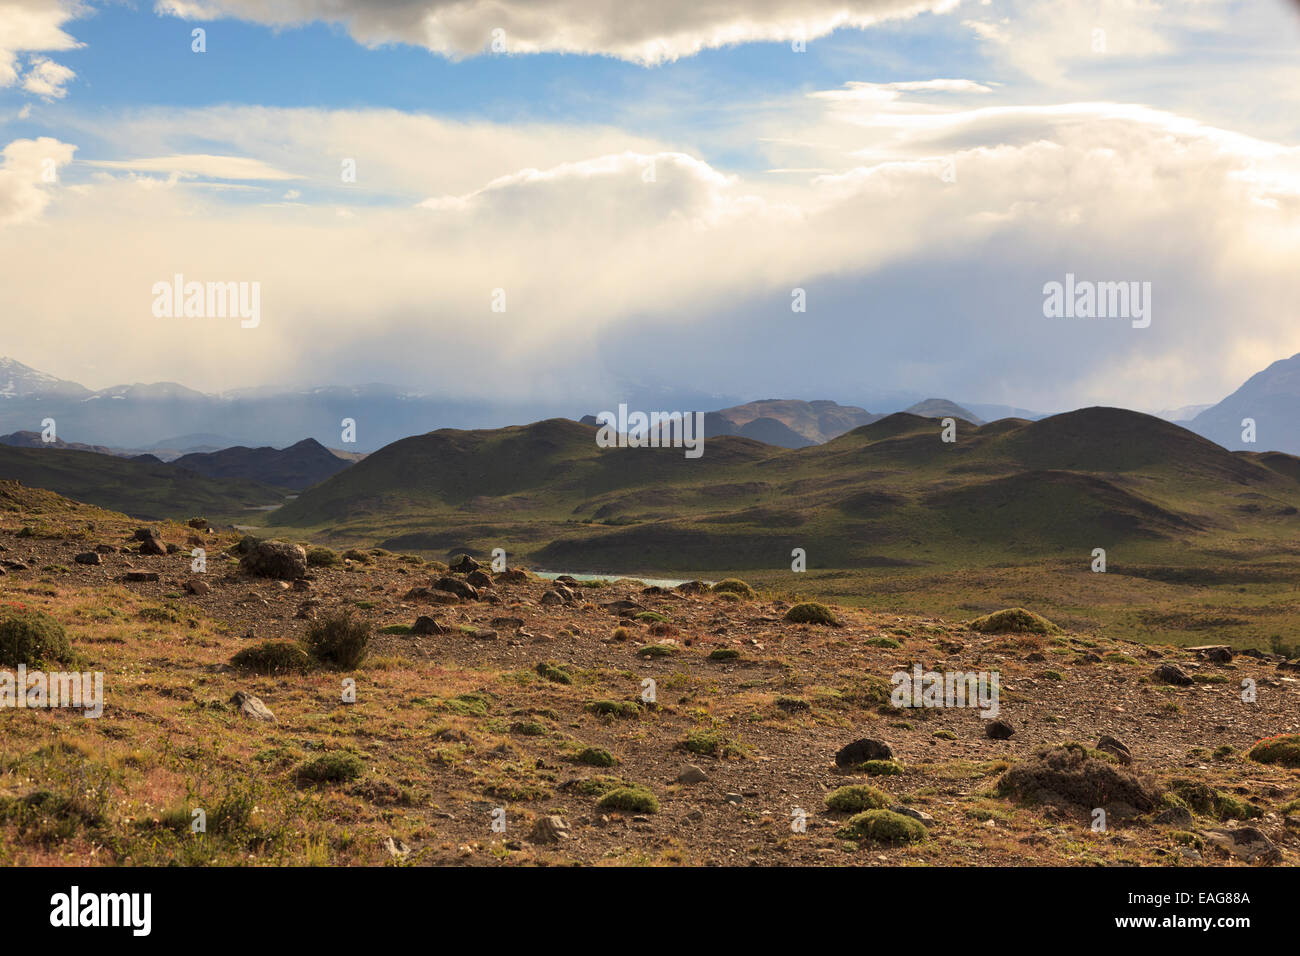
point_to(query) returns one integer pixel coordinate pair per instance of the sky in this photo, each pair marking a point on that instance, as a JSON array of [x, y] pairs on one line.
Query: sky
[[586, 199]]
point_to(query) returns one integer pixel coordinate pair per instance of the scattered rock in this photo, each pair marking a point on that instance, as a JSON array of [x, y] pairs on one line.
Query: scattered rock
[[1172, 674], [397, 849], [464, 564], [1245, 843], [426, 625], [1179, 817], [998, 730], [142, 575], [918, 815], [457, 587], [253, 707], [275, 559], [549, 830], [862, 750], [1215, 653], [89, 557], [1115, 748], [152, 546], [734, 799], [478, 579], [197, 587], [692, 774], [551, 599]]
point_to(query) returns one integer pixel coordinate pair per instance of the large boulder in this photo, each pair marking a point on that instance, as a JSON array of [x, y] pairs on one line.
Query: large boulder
[[275, 559], [457, 587]]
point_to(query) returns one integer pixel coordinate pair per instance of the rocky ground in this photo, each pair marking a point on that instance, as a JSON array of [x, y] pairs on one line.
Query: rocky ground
[[524, 702]]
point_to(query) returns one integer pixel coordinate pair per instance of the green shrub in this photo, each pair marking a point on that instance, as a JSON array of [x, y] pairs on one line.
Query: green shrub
[[352, 554], [724, 654], [734, 586], [333, 767], [273, 657], [614, 708], [322, 558], [651, 617], [1013, 620], [855, 798], [633, 799], [883, 826], [1206, 800], [810, 612], [881, 768], [656, 650], [597, 757], [882, 642], [32, 638], [551, 672], [338, 639], [707, 742], [1284, 750]]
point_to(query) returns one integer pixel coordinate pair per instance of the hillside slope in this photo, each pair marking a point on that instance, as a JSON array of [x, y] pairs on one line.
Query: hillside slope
[[890, 492], [141, 489]]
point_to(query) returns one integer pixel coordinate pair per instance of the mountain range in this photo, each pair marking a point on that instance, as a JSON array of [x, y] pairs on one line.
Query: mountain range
[[889, 492]]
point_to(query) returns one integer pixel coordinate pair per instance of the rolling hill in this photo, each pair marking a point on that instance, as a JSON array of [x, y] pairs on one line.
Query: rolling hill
[[887, 493], [142, 489], [297, 467]]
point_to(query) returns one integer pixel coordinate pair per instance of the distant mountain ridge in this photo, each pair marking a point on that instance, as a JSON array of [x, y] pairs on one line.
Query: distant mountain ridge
[[297, 467], [1271, 399]]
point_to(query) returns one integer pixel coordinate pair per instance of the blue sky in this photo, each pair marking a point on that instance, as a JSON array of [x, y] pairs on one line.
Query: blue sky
[[648, 184]]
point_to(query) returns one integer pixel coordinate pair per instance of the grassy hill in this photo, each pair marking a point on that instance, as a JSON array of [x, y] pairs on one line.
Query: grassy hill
[[888, 492], [141, 489], [888, 514]]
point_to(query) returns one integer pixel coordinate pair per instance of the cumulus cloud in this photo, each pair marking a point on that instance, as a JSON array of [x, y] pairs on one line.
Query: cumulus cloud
[[647, 260], [28, 173], [646, 33], [36, 25]]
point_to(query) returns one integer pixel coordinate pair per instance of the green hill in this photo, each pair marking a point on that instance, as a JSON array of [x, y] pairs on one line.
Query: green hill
[[142, 489], [890, 493]]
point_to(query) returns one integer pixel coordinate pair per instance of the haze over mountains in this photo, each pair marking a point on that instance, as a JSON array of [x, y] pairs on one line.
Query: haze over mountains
[[169, 420]]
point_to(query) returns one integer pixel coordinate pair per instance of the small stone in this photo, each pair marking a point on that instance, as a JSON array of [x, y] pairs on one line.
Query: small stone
[[197, 587], [426, 625], [1172, 674], [1115, 748], [734, 799], [692, 774], [998, 730], [142, 575], [552, 598], [253, 707], [549, 830], [1246, 843], [919, 815], [89, 557]]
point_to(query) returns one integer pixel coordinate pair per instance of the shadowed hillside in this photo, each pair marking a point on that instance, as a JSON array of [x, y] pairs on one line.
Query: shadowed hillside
[[890, 493], [141, 489]]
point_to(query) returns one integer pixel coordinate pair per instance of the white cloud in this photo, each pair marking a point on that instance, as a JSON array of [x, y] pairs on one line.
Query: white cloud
[[646, 33], [27, 176], [46, 78], [199, 164], [36, 25]]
